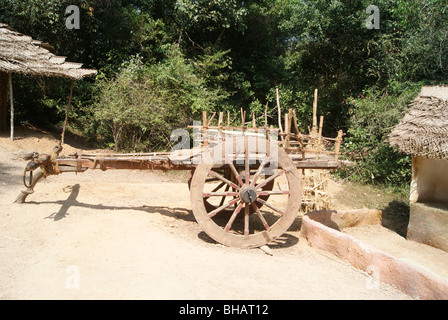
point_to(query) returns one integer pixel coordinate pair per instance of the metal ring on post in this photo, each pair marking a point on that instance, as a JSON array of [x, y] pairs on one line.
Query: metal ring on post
[[30, 179]]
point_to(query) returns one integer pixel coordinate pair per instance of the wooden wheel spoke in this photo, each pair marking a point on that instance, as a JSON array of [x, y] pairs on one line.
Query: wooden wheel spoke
[[272, 193], [220, 177], [260, 169], [224, 198], [271, 178], [219, 194], [263, 220], [232, 218], [222, 184], [270, 206], [246, 166], [234, 171], [224, 206]]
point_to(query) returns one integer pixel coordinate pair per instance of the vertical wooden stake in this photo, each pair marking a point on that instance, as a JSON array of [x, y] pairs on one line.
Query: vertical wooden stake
[[279, 113], [266, 115], [289, 121], [67, 111], [254, 125], [337, 146], [204, 120], [319, 146], [287, 130], [204, 128], [228, 118], [321, 124], [11, 103], [221, 116], [243, 117], [280, 118], [296, 127], [314, 128]]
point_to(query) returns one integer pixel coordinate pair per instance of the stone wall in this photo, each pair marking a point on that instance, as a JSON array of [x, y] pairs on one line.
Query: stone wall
[[428, 224], [320, 229]]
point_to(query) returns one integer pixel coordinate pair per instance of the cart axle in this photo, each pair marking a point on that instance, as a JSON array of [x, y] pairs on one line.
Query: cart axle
[[248, 194]]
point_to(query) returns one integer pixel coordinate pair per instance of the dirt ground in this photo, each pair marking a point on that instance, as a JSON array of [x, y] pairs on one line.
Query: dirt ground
[[131, 235]]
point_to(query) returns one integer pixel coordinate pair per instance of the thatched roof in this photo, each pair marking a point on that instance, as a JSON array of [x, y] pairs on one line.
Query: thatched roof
[[21, 54], [423, 131]]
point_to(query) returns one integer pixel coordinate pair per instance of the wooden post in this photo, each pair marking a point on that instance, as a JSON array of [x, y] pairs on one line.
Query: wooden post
[[3, 101], [279, 113], [289, 121], [204, 120], [228, 118], [295, 122], [266, 115], [243, 118], [314, 128], [11, 102], [319, 146], [321, 124], [298, 135], [67, 111], [337, 145], [204, 128], [221, 116], [287, 130], [280, 118]]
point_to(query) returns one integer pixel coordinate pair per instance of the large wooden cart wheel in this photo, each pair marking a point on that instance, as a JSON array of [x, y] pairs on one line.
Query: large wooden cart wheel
[[226, 191], [251, 221]]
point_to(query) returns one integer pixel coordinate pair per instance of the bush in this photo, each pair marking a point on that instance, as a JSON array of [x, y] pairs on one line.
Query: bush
[[140, 108], [372, 118]]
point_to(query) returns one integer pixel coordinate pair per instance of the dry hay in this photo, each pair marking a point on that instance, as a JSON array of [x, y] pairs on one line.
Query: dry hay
[[315, 194], [315, 184]]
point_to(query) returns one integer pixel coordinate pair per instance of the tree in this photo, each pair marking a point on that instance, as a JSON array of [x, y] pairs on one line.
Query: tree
[[328, 50], [145, 103]]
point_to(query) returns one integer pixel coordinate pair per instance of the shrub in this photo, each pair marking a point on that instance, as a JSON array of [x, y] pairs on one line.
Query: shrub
[[372, 118], [144, 103]]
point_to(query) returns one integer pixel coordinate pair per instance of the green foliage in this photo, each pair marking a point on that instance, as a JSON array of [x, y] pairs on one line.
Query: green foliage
[[145, 103], [328, 51], [213, 16], [372, 118]]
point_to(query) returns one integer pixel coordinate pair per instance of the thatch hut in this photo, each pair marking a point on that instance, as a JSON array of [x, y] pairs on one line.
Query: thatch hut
[[423, 133], [22, 54]]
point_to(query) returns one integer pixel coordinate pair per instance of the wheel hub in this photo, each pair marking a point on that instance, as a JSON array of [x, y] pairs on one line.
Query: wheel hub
[[248, 194]]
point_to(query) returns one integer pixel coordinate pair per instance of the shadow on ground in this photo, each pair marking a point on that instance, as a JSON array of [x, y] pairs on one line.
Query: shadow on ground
[[286, 240], [396, 217]]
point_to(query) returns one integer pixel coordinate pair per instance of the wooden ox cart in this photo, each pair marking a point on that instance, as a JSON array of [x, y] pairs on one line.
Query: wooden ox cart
[[245, 188]]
